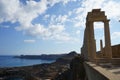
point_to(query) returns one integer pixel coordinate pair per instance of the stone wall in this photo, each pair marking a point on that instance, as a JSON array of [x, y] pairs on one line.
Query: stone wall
[[116, 51], [95, 72]]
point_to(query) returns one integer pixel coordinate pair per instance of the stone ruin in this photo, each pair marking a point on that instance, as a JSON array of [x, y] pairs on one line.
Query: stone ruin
[[88, 50]]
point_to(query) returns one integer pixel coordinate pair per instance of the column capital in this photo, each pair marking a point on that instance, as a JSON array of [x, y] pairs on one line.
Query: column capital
[[90, 21], [106, 20]]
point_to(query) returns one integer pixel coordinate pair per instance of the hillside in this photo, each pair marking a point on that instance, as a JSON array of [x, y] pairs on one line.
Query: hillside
[[48, 57]]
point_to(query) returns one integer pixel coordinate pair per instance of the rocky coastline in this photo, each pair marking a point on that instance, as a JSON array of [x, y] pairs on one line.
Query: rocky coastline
[[47, 71]]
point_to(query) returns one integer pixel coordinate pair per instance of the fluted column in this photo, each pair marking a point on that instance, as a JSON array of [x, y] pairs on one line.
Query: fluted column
[[108, 50], [101, 48], [87, 40], [92, 41]]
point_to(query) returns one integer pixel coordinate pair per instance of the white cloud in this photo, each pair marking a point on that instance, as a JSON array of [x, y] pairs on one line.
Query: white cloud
[[29, 41], [46, 16], [56, 28], [53, 32], [53, 2], [15, 11], [8, 10], [38, 30], [78, 32], [111, 8], [60, 19], [116, 35], [26, 13], [58, 33]]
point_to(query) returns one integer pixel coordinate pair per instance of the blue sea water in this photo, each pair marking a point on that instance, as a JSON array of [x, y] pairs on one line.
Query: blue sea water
[[10, 61]]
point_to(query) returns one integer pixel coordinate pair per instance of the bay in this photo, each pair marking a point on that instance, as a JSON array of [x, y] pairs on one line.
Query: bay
[[10, 61]]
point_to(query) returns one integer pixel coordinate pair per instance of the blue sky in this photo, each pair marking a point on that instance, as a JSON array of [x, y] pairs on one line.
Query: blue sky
[[52, 26]]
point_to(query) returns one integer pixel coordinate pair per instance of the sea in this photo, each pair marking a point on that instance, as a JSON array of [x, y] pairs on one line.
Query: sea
[[10, 61]]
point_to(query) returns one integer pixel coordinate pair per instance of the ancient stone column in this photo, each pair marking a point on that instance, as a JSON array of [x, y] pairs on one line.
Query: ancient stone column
[[87, 40], [94, 49], [108, 50], [101, 46], [92, 41], [101, 49]]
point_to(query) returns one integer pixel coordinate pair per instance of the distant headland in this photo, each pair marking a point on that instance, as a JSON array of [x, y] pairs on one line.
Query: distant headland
[[47, 56]]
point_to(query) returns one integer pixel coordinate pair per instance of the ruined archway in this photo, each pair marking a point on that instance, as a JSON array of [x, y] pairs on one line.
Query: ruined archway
[[89, 46]]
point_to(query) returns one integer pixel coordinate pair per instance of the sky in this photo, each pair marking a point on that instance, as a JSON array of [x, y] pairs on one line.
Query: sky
[[35, 27]]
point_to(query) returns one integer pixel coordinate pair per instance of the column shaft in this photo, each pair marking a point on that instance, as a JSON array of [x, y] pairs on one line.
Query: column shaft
[[92, 41], [108, 50]]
